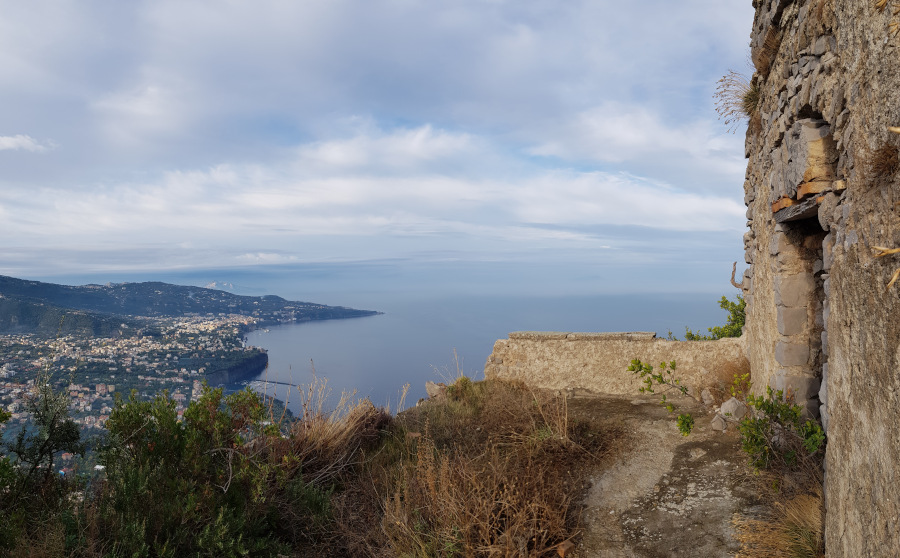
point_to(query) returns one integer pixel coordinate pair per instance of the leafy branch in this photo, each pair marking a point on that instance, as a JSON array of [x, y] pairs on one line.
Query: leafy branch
[[666, 381]]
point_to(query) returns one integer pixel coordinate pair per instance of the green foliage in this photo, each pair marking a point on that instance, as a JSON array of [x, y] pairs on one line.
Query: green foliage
[[740, 386], [750, 99], [201, 486], [30, 491], [462, 389], [685, 424], [733, 324], [776, 436], [666, 380]]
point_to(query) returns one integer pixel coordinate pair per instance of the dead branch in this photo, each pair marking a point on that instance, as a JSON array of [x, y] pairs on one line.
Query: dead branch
[[735, 284]]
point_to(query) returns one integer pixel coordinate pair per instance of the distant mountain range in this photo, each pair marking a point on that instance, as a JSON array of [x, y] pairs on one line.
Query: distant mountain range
[[50, 309]]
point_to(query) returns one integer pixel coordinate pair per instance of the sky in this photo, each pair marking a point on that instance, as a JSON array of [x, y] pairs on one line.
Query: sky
[[488, 142]]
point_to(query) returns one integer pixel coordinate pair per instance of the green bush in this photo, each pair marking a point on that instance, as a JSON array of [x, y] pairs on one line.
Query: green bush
[[201, 487], [733, 324], [777, 437], [31, 493]]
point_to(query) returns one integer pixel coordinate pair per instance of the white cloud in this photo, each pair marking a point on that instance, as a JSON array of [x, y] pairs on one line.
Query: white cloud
[[17, 142], [618, 132], [271, 211], [281, 129]]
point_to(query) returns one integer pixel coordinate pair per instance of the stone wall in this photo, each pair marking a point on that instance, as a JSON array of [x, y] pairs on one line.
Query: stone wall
[[598, 361], [822, 192]]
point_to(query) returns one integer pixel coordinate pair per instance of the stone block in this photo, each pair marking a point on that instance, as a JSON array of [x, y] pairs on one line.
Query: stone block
[[793, 290], [800, 386], [792, 321], [734, 409], [778, 244], [828, 251], [813, 188], [791, 354], [826, 210]]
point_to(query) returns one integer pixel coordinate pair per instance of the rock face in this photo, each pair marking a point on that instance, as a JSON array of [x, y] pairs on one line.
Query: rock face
[[823, 190]]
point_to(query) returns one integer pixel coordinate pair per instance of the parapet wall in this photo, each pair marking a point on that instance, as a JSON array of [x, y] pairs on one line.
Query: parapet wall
[[599, 361]]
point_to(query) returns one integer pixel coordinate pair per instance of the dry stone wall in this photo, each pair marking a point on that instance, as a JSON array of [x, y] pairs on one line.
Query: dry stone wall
[[599, 361], [823, 197]]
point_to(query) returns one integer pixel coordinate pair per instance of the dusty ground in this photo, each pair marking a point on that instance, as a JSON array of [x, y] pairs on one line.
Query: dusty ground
[[663, 494]]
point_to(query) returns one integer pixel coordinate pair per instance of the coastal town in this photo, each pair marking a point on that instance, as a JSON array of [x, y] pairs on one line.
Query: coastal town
[[176, 355]]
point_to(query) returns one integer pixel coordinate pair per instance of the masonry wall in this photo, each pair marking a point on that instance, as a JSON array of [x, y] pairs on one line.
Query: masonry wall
[[823, 195], [598, 361]]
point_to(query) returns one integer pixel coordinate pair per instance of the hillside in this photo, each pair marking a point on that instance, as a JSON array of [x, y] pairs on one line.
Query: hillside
[[47, 308]]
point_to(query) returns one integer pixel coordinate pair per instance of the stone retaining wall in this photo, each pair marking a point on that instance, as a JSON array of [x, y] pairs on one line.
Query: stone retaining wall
[[599, 361]]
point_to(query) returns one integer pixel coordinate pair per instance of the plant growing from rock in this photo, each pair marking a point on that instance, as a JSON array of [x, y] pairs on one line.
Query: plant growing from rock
[[666, 380], [737, 99]]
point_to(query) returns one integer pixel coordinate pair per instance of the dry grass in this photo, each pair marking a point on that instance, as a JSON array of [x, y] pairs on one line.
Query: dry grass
[[326, 444], [499, 503], [490, 470], [764, 56], [737, 100], [883, 163], [720, 385], [882, 5], [794, 530]]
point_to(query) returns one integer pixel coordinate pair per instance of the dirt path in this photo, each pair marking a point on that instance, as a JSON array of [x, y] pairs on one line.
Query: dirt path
[[664, 494]]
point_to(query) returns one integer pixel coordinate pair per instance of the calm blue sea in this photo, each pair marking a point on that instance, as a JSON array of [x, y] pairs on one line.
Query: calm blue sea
[[435, 309], [415, 340]]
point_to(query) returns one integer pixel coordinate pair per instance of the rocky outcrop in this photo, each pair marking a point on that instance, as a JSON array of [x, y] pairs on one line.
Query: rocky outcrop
[[822, 191]]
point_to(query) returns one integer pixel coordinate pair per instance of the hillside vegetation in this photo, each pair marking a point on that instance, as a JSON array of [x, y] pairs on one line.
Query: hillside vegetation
[[486, 469]]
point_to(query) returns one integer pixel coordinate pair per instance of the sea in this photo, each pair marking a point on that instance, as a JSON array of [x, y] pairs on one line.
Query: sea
[[439, 338], [441, 320]]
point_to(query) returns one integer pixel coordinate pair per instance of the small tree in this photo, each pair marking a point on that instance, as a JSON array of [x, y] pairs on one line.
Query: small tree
[[53, 431], [29, 490], [733, 325]]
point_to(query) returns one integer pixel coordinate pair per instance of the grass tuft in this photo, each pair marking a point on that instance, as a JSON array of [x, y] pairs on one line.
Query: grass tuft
[[793, 530], [883, 163], [737, 100]]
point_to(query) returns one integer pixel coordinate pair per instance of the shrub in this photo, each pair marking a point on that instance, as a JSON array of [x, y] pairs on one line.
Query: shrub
[[776, 437], [734, 324], [31, 493]]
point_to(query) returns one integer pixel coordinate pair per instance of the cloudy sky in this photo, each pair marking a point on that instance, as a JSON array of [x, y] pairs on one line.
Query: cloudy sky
[[150, 136]]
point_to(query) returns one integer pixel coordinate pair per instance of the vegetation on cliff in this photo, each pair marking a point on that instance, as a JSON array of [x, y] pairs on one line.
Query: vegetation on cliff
[[485, 469]]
